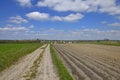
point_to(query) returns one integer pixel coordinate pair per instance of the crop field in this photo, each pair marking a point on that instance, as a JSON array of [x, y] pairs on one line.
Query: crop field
[[34, 61], [10, 53], [90, 61]]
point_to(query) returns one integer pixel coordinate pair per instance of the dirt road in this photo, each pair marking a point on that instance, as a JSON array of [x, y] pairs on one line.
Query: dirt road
[[91, 62], [47, 71], [35, 66]]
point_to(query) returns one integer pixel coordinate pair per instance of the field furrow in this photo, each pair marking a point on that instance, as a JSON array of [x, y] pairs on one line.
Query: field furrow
[[82, 67], [78, 74], [92, 68], [100, 66]]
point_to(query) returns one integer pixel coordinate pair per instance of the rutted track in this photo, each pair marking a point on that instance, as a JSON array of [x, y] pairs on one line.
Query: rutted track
[[36, 66], [84, 67], [17, 71]]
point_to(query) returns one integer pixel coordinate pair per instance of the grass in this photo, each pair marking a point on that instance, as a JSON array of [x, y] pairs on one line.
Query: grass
[[62, 71], [10, 53], [112, 43]]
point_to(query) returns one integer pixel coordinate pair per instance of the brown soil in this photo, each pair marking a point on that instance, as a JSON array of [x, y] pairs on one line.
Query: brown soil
[[91, 62]]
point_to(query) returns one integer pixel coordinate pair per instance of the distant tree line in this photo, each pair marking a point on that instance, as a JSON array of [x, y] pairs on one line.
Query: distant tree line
[[55, 41], [24, 41]]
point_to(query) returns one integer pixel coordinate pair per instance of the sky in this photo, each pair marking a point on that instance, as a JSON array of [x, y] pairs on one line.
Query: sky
[[60, 19]]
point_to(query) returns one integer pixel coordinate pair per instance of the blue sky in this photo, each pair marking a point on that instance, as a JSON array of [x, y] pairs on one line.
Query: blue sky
[[60, 19]]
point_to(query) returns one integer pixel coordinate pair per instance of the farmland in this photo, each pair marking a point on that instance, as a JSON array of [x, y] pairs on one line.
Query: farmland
[[34, 61], [11, 52], [90, 61], [111, 43]]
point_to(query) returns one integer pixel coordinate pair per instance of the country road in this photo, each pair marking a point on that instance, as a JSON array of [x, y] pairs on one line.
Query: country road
[[35, 66]]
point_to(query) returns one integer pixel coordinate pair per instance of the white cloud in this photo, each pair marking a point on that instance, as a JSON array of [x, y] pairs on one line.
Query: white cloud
[[38, 16], [82, 34], [25, 3], [45, 16], [64, 5], [51, 33], [118, 17], [13, 29], [57, 18], [69, 18], [73, 17], [114, 24], [108, 6], [112, 10], [31, 26], [17, 20]]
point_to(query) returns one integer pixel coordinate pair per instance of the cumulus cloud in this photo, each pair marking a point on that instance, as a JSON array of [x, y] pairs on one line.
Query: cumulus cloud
[[13, 32], [118, 17], [73, 17], [25, 3], [31, 26], [38, 16], [64, 5], [45, 16], [69, 18], [114, 24], [57, 18], [17, 20], [82, 34], [108, 6], [51, 33], [13, 29]]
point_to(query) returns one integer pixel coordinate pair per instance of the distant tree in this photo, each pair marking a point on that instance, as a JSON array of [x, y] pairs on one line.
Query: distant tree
[[106, 39], [98, 40]]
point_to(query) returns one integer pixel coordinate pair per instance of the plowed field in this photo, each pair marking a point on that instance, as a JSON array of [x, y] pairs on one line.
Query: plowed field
[[90, 61]]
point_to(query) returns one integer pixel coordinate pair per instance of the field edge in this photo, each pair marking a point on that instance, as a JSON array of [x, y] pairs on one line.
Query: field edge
[[61, 69]]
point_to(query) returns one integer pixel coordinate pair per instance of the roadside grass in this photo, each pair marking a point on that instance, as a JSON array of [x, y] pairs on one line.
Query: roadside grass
[[112, 43], [62, 71], [10, 53]]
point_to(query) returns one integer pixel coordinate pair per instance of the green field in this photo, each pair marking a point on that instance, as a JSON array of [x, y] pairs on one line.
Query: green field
[[10, 53]]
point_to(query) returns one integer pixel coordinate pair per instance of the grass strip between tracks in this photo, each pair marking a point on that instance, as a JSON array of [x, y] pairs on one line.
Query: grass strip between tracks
[[62, 71], [31, 74]]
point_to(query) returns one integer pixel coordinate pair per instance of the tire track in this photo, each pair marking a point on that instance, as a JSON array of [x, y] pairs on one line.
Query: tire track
[[46, 69], [16, 71], [31, 74]]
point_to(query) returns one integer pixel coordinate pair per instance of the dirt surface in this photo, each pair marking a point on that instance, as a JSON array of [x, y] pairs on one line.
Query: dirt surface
[[38, 64], [47, 71], [91, 62]]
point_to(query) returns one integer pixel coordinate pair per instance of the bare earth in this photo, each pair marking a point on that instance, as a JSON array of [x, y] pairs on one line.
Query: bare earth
[[45, 70], [90, 61]]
